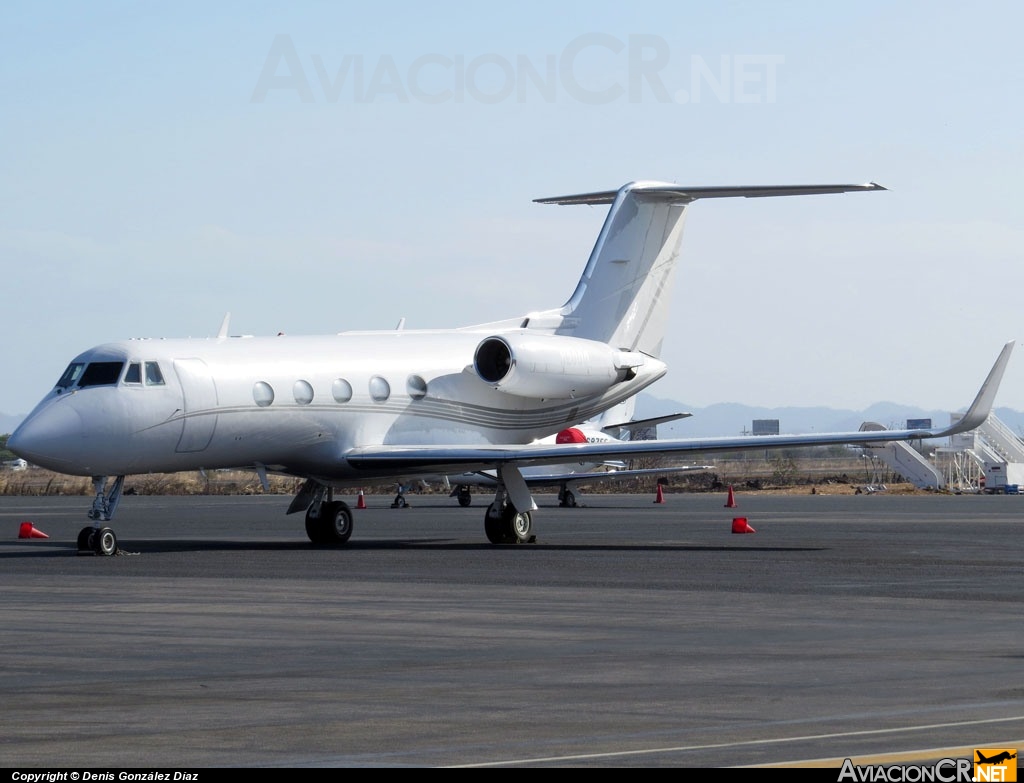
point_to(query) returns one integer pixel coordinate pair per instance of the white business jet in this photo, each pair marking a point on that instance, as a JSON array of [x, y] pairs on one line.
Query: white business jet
[[613, 425], [348, 409]]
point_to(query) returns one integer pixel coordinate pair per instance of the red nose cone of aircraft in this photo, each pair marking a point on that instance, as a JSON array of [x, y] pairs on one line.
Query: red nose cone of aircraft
[[570, 435]]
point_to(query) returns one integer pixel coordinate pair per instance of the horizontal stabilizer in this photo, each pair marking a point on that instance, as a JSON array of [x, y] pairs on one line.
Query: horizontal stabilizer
[[643, 424], [663, 191]]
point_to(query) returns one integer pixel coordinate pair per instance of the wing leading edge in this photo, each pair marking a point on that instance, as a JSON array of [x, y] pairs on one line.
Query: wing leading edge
[[383, 460]]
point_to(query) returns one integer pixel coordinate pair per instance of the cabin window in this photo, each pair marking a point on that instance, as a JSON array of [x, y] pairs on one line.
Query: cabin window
[[101, 374], [134, 373], [416, 386], [153, 375], [71, 375], [303, 392], [380, 389], [262, 393], [342, 390]]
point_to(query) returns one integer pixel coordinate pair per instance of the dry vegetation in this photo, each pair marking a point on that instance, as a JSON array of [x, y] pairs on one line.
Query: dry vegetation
[[830, 475]]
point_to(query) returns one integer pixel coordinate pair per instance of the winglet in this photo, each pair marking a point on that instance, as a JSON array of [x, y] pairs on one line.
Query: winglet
[[982, 405]]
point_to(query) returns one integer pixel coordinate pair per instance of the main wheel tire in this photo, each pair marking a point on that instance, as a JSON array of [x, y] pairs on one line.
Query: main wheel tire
[[105, 542], [85, 539], [520, 527], [465, 497], [333, 525], [314, 524], [568, 499], [495, 526], [339, 523]]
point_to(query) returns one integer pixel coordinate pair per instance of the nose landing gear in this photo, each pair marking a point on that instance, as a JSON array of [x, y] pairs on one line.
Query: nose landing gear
[[97, 539]]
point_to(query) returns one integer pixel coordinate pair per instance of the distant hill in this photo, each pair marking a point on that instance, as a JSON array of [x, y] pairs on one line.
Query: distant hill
[[734, 419]]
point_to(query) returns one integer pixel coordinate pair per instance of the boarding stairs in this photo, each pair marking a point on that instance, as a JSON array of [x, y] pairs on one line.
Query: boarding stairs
[[987, 458], [904, 459], [1001, 439]]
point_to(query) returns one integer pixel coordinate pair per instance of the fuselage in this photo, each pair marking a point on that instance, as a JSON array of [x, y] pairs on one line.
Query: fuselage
[[290, 404]]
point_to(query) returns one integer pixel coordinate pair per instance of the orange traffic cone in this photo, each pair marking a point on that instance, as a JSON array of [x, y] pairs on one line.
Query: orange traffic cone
[[731, 501], [361, 501], [28, 530], [660, 497], [739, 525]]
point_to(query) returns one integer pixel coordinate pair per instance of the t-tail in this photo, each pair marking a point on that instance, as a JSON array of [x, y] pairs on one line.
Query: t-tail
[[622, 298]]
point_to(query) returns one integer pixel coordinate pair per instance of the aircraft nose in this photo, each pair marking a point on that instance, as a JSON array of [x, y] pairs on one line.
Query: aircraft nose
[[48, 437]]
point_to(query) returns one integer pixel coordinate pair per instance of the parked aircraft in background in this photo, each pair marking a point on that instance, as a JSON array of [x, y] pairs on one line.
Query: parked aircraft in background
[[606, 428], [349, 409]]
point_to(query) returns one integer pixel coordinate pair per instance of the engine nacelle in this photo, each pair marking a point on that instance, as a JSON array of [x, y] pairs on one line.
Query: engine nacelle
[[544, 366]]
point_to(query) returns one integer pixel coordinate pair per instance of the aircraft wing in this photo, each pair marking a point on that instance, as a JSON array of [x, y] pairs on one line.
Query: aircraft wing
[[386, 460]]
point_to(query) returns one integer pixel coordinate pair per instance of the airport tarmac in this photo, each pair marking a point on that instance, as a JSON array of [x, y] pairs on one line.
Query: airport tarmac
[[877, 627]]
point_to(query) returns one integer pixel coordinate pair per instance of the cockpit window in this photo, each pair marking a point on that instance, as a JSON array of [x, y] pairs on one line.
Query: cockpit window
[[100, 374], [153, 375], [134, 374], [71, 375]]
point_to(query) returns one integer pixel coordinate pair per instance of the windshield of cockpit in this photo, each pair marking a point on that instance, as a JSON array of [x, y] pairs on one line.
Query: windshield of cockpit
[[84, 374]]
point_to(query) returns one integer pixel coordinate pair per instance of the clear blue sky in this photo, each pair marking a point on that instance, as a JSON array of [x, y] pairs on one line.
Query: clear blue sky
[[161, 164]]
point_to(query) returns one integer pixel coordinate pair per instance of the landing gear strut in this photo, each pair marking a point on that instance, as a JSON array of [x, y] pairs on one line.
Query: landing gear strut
[[97, 539]]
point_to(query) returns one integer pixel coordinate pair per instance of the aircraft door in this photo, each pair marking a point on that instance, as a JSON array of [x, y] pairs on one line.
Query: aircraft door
[[200, 399]]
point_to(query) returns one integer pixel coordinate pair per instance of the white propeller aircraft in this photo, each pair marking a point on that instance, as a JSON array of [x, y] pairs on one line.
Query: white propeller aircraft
[[348, 409]]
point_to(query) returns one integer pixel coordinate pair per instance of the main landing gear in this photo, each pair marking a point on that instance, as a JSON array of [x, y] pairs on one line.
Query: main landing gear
[[566, 498], [505, 524], [328, 521], [96, 538]]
